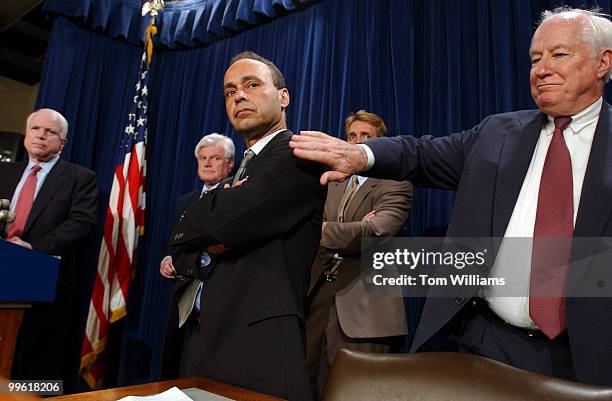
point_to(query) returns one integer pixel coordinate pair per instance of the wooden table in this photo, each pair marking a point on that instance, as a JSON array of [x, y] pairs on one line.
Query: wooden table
[[213, 386]]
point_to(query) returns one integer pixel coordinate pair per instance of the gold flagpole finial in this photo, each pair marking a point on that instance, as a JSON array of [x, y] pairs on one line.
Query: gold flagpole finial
[[153, 7]]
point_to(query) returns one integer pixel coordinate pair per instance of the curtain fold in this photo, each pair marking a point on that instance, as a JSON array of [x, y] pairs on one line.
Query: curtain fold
[[426, 66], [183, 24]]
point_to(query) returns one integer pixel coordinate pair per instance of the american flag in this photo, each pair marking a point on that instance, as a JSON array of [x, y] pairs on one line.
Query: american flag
[[123, 226]]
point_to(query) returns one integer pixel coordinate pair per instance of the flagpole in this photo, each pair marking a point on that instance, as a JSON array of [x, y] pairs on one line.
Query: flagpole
[[124, 222]]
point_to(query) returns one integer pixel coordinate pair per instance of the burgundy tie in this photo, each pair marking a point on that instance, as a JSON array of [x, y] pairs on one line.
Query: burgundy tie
[[554, 227], [24, 203]]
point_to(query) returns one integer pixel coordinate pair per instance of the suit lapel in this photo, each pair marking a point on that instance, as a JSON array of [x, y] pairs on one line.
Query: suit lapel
[[53, 183], [517, 150], [359, 197], [335, 190], [262, 154], [595, 207], [13, 175], [596, 197]]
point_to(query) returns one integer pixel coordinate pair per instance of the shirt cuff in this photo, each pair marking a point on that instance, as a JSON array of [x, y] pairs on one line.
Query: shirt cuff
[[370, 156]]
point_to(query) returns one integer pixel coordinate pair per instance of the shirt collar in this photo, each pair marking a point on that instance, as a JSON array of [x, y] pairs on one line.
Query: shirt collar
[[44, 166], [361, 180], [260, 144], [586, 117], [205, 189]]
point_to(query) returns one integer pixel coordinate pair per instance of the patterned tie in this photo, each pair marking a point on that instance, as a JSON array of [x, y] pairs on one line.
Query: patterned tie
[[248, 155], [553, 230], [351, 188], [24, 203], [190, 299]]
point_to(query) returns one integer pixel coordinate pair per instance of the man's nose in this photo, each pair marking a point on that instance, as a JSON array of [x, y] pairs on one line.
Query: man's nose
[[542, 68], [239, 96]]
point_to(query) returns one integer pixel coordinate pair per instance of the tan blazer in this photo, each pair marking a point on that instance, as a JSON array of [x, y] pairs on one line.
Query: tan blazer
[[362, 315]]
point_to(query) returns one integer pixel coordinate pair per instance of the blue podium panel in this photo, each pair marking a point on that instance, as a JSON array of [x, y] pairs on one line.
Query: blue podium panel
[[25, 275]]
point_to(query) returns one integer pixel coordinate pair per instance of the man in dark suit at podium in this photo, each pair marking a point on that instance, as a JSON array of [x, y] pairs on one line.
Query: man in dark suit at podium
[[262, 235], [543, 173], [55, 203]]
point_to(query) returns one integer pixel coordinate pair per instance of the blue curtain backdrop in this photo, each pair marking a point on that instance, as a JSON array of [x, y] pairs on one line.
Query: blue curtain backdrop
[[426, 66]]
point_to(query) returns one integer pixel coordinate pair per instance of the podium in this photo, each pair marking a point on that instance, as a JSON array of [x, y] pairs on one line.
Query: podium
[[26, 276]]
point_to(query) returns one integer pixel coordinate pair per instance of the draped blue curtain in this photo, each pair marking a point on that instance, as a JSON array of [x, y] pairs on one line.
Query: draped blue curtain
[[183, 23], [426, 66]]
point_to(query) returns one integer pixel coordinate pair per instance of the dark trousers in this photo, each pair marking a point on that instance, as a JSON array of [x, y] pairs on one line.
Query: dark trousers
[[41, 351], [268, 357], [483, 333]]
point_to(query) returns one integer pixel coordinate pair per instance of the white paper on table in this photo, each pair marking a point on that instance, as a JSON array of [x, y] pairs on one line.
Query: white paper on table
[[172, 394], [197, 394]]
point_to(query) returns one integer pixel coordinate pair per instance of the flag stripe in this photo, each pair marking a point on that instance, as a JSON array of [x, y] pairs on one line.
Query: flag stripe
[[123, 225]]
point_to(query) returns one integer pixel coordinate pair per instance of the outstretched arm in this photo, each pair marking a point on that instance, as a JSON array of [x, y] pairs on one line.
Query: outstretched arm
[[343, 158]]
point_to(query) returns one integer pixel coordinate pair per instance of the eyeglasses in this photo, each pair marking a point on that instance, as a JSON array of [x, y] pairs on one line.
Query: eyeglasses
[[214, 159]]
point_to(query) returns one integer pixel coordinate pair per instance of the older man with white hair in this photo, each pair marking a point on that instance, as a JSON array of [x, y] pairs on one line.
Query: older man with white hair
[[541, 174], [215, 156], [55, 203]]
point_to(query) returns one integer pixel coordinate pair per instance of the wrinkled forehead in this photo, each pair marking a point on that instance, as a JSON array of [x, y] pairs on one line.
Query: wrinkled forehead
[[45, 119], [561, 29], [212, 149], [245, 69]]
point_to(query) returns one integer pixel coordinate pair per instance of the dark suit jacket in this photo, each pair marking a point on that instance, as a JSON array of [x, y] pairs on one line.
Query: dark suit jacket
[[253, 295], [61, 217], [487, 165], [182, 204]]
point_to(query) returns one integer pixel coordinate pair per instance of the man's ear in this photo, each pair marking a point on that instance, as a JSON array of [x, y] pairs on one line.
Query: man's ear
[[605, 63], [283, 97]]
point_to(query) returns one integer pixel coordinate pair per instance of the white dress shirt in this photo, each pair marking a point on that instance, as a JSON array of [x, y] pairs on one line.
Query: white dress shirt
[[514, 257]]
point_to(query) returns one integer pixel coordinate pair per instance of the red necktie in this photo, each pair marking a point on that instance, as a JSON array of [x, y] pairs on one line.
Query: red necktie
[[24, 203], [552, 236]]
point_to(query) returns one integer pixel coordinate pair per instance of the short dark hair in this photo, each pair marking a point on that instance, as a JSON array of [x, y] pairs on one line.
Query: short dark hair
[[277, 77]]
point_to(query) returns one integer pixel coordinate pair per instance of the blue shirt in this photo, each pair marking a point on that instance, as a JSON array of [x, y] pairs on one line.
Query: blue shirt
[[45, 167]]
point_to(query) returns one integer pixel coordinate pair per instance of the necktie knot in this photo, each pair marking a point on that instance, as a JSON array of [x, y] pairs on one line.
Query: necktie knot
[[35, 169], [241, 173], [561, 123], [248, 155]]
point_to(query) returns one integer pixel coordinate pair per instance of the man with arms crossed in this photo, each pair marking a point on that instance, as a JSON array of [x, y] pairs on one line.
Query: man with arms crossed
[[215, 156], [340, 312], [262, 236]]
